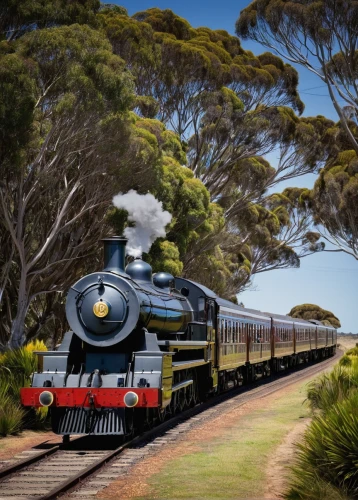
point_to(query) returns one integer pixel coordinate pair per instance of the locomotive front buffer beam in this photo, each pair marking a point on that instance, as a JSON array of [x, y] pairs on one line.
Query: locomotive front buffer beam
[[82, 397]]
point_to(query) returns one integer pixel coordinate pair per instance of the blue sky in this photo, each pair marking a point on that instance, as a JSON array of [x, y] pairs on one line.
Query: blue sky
[[327, 279]]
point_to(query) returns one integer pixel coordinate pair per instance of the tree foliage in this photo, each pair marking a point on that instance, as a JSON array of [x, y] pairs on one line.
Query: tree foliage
[[226, 104], [20, 16], [312, 311], [335, 202], [319, 35]]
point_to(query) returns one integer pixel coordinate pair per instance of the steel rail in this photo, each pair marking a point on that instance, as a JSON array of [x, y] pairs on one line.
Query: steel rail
[[21, 464]]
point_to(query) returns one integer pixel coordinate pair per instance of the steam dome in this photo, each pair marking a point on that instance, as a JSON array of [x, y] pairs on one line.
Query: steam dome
[[139, 270], [163, 280]]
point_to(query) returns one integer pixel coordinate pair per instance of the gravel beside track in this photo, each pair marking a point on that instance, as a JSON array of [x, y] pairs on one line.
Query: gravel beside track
[[102, 460]]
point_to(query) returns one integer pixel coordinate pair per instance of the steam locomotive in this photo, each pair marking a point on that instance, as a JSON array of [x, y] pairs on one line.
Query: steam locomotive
[[144, 346]]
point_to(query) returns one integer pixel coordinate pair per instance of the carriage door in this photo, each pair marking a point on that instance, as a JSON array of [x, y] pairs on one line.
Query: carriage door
[[210, 330]]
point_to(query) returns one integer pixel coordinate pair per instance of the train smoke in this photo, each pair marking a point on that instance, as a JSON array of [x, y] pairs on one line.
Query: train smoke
[[149, 217]]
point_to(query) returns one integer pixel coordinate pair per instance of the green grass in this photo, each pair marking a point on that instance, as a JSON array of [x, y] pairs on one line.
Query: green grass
[[234, 464]]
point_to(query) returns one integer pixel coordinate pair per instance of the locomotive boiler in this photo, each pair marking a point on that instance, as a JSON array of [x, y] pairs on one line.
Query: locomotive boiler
[[142, 347]]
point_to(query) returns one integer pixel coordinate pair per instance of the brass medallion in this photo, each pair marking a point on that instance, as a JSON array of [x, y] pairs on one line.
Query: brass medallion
[[100, 309]]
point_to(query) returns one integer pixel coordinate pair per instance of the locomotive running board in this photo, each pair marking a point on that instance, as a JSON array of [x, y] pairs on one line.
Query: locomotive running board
[[86, 421], [186, 365]]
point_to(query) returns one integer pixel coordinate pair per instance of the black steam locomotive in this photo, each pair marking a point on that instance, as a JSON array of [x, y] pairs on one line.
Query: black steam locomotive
[[143, 346]]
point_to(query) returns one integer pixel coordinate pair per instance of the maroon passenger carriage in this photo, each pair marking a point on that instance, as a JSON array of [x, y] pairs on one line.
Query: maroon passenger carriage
[[252, 344]]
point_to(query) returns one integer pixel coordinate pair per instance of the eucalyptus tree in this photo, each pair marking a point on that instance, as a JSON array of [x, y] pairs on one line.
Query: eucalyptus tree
[[320, 35], [226, 104], [229, 108], [20, 16], [312, 311], [65, 97], [335, 203]]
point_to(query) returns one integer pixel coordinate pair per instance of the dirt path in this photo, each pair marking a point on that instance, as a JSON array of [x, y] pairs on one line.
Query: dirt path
[[12, 446], [137, 483], [278, 463]]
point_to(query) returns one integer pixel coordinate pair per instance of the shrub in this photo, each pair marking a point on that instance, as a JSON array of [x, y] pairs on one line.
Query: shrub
[[345, 361], [16, 368], [36, 345], [11, 413], [333, 387], [308, 485], [329, 452], [21, 363], [353, 351]]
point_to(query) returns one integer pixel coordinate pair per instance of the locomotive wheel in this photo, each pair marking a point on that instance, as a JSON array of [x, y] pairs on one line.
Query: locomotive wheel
[[66, 439], [129, 423], [189, 395], [222, 382], [149, 422], [181, 398], [237, 378], [173, 406], [162, 414]]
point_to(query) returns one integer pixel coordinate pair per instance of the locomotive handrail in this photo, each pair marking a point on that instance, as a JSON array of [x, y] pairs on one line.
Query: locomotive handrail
[[180, 342], [51, 353]]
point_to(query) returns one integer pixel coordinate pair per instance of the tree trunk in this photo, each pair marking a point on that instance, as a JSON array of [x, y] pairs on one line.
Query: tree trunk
[[18, 337]]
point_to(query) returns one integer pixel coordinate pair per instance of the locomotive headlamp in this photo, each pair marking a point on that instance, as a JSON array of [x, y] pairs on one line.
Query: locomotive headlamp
[[46, 398], [131, 399]]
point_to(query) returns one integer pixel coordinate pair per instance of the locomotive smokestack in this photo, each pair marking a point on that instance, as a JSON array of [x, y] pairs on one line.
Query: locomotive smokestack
[[114, 252]]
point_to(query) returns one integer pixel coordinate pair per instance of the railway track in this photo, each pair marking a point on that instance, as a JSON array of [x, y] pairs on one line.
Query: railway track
[[51, 473]]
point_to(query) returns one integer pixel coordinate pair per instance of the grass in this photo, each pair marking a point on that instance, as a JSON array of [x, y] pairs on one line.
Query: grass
[[232, 465]]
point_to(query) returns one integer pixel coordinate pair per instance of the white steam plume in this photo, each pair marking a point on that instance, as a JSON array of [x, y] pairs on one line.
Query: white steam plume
[[149, 217]]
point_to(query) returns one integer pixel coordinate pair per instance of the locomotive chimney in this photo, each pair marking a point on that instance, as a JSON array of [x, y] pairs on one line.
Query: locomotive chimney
[[114, 251]]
